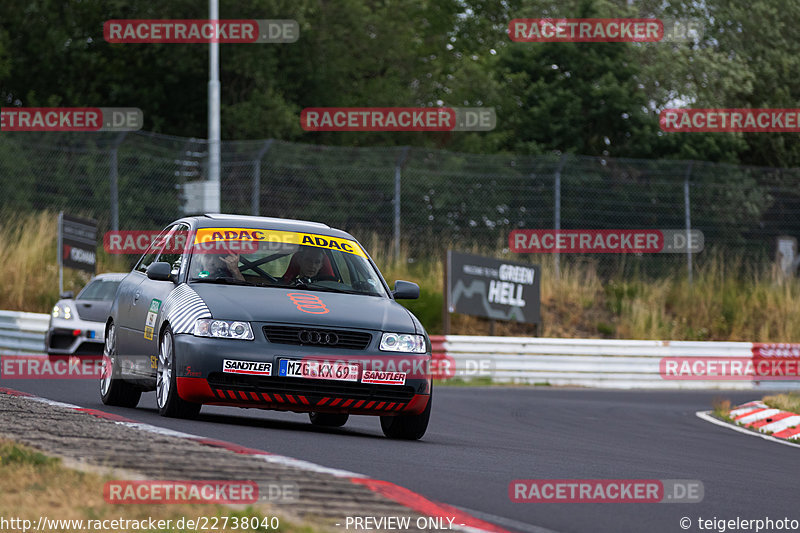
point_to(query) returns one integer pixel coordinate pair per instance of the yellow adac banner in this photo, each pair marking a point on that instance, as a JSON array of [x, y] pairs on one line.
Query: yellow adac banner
[[205, 235]]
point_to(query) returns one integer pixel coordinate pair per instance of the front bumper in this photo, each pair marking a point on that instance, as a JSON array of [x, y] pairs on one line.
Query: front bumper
[[61, 339], [200, 378]]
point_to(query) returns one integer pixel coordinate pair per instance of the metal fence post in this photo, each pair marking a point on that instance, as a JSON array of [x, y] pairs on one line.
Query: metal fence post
[[114, 178], [255, 201], [397, 176], [688, 220], [557, 221]]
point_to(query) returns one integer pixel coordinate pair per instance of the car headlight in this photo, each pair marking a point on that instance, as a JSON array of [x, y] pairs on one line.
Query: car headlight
[[223, 329], [62, 311], [402, 342]]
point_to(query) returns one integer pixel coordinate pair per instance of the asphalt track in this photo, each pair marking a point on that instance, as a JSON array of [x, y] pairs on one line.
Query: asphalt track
[[480, 439]]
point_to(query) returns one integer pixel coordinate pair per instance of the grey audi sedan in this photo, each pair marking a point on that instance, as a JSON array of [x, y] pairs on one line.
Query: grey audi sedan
[[267, 313]]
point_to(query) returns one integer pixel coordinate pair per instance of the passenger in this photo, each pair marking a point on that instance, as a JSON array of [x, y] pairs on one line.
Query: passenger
[[308, 265]]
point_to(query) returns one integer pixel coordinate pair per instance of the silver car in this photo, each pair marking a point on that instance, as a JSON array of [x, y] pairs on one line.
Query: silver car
[[77, 325]]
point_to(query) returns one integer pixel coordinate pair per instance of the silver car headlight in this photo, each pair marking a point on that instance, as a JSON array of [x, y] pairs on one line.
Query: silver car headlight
[[402, 342], [223, 329], [62, 311]]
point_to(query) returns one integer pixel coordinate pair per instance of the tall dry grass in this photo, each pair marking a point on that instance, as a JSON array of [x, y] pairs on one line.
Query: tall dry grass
[[728, 300], [28, 263]]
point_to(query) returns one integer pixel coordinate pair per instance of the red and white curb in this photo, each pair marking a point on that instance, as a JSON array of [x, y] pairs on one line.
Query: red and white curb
[[462, 521], [774, 424]]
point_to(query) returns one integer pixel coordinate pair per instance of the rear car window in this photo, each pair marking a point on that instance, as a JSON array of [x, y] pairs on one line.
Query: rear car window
[[99, 289]]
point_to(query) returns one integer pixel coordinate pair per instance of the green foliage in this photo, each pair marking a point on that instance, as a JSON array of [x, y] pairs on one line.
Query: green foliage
[[11, 453], [581, 98], [428, 308]]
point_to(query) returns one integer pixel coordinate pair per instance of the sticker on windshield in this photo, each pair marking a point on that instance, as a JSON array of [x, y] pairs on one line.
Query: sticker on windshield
[[211, 235], [150, 320]]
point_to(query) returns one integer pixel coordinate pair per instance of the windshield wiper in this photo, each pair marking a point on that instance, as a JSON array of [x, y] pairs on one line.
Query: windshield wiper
[[222, 279]]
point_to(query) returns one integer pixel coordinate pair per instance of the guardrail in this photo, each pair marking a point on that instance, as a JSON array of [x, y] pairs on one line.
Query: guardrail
[[22, 333], [604, 363]]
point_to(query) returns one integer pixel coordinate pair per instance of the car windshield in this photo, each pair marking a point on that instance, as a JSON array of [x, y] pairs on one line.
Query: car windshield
[[99, 289], [267, 258]]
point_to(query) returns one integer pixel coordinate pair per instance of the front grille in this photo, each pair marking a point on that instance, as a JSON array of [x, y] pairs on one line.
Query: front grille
[[90, 348], [60, 341], [332, 338], [313, 389]]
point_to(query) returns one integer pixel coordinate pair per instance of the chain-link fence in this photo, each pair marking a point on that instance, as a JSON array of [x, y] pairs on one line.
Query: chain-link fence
[[431, 199]]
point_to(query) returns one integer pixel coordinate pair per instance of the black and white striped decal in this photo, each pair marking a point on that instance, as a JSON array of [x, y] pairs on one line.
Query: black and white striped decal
[[183, 307]]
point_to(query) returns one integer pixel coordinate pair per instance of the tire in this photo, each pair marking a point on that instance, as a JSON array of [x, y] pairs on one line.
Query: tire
[[407, 427], [169, 403], [113, 389], [331, 420]]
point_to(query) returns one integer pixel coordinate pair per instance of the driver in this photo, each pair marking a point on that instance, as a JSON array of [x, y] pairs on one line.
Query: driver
[[309, 261], [223, 264]]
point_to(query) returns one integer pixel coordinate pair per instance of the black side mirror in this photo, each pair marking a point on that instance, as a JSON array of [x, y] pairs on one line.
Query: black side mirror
[[67, 295], [405, 290], [160, 271]]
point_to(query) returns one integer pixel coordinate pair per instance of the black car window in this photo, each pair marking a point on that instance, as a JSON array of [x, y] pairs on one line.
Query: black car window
[[151, 254], [99, 289], [173, 253]]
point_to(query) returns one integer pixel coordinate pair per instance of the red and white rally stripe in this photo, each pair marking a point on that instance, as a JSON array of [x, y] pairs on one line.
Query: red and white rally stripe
[[759, 416]]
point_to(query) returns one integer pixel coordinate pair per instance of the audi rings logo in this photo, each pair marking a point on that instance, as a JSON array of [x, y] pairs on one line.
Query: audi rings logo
[[318, 337], [308, 303]]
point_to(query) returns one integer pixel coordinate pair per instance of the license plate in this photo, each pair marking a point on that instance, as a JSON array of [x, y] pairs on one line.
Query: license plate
[[295, 368]]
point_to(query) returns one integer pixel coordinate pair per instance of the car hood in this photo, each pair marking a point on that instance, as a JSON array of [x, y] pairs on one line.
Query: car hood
[[273, 304]]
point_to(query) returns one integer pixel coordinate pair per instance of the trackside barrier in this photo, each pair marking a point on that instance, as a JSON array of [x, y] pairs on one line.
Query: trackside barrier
[[603, 363], [22, 333]]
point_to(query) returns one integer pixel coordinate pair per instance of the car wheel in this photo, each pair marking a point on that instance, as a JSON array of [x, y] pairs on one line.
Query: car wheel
[[113, 389], [407, 427], [331, 420], [169, 403]]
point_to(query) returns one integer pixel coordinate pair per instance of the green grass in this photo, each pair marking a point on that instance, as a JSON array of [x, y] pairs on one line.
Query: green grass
[[35, 485], [12, 453]]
